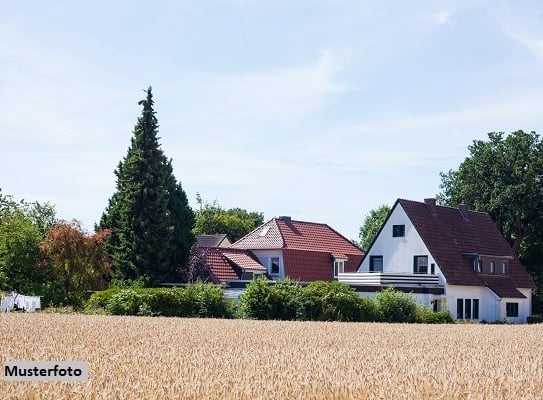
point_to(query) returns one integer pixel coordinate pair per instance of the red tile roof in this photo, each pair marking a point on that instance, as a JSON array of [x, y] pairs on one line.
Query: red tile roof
[[228, 264], [449, 234], [308, 247]]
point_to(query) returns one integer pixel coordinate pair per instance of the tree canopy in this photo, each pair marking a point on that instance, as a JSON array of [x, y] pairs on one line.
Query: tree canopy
[[212, 219], [372, 224], [504, 177], [149, 213]]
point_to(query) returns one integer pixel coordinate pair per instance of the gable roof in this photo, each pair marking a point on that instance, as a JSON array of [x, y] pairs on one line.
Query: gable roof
[[450, 233], [226, 264], [308, 248], [284, 233], [219, 240]]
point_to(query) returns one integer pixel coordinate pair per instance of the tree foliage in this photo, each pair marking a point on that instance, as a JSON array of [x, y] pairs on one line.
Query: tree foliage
[[212, 219], [74, 259], [149, 212], [196, 268], [372, 224], [22, 226], [504, 177]]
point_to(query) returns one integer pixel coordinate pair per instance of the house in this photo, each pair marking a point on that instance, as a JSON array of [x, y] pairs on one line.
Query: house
[[220, 240], [451, 258], [299, 250]]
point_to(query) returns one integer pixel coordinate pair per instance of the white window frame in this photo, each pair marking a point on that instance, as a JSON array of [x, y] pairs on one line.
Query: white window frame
[[339, 266]]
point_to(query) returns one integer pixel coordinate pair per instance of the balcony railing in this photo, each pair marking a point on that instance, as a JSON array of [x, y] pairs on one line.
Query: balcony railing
[[388, 278]]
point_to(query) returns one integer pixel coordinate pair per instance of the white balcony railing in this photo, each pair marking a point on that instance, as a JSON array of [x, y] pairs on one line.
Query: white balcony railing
[[388, 278]]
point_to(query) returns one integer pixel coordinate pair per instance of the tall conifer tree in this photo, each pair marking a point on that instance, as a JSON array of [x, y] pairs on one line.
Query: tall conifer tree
[[149, 212]]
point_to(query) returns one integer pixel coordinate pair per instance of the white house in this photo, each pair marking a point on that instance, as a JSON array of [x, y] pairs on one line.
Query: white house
[[451, 258]]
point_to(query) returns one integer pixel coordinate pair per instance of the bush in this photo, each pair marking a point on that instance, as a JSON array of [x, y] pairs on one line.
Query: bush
[[334, 301], [101, 298], [200, 300], [209, 301], [395, 306], [126, 302], [290, 305], [260, 300], [425, 315]]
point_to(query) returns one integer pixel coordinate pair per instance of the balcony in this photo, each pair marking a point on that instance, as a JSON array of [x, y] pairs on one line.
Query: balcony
[[388, 279]]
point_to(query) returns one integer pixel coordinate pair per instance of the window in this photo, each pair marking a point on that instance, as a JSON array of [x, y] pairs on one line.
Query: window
[[459, 308], [376, 263], [502, 268], [398, 230], [420, 265], [432, 268], [467, 308], [511, 309], [274, 265], [475, 309], [339, 267]]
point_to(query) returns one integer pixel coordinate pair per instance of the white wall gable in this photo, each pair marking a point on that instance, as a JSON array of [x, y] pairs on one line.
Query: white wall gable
[[398, 252]]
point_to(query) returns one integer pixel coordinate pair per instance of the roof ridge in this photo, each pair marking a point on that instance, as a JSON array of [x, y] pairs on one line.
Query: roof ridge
[[443, 206]]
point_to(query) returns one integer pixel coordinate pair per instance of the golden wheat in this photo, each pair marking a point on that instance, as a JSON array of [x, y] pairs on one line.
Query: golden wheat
[[171, 358]]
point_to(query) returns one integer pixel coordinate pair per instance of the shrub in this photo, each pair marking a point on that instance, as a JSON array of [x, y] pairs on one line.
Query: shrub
[[126, 302], [101, 298], [395, 306], [334, 301], [290, 305], [209, 301], [260, 300], [425, 315]]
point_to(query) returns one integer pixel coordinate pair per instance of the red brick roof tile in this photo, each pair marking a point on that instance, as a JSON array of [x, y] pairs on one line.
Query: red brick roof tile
[[227, 264], [449, 234], [308, 247]]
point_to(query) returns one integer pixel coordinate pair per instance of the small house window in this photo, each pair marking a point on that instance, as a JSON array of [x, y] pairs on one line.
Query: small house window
[[511, 309], [398, 230], [459, 308], [339, 267], [420, 265], [274, 266], [376, 263]]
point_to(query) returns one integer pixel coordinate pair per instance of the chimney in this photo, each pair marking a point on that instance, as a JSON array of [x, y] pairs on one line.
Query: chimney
[[286, 219], [431, 204], [463, 208]]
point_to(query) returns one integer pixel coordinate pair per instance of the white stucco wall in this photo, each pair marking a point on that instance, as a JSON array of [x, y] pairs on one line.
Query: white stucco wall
[[264, 256], [398, 252]]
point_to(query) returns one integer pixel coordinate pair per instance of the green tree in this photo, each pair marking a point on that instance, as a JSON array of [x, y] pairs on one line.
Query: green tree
[[504, 177], [372, 224], [212, 219], [149, 212], [22, 226]]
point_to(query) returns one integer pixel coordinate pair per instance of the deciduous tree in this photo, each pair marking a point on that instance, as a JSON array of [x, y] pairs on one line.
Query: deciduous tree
[[212, 219], [372, 224]]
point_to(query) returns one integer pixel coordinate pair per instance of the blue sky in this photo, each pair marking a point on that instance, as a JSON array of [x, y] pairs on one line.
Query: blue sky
[[321, 110]]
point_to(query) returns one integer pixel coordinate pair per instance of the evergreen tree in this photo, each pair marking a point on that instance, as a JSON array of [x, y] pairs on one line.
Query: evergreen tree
[[149, 212]]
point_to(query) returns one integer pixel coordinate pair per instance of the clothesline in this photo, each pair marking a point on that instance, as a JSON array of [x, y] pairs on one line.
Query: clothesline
[[22, 302]]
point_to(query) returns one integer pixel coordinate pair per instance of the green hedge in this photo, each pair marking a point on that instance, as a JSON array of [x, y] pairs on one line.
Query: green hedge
[[535, 319], [331, 301], [284, 300], [199, 300]]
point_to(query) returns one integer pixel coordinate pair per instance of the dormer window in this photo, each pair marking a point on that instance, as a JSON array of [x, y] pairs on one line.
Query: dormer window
[[490, 265], [339, 266]]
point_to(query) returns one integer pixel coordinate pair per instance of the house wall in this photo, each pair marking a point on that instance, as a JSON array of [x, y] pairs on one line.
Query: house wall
[[398, 252], [491, 307], [265, 256]]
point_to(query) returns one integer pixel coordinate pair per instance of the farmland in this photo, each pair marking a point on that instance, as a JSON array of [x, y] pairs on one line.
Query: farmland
[[145, 357]]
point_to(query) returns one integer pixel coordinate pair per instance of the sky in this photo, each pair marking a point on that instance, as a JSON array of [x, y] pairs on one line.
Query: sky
[[317, 109]]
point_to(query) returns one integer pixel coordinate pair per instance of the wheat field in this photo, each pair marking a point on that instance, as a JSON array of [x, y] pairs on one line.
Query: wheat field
[[174, 358]]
